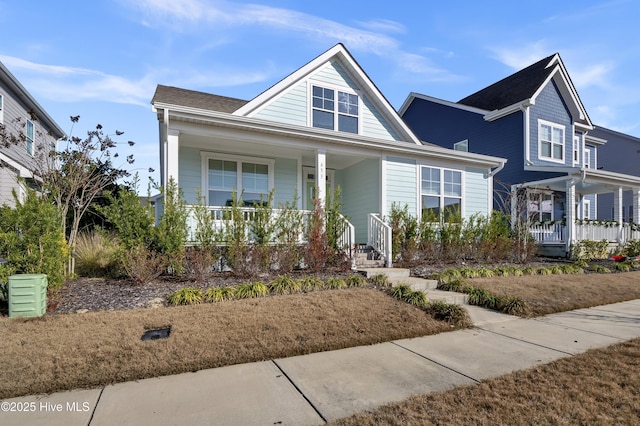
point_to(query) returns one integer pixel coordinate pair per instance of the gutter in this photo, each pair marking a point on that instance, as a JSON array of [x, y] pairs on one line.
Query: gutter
[[497, 169]]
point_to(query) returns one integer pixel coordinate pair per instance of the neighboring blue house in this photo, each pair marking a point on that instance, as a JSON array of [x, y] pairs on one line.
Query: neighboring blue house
[[620, 154], [324, 125], [536, 120]]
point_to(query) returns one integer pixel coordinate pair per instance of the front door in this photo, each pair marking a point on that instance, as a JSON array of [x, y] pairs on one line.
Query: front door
[[310, 185]]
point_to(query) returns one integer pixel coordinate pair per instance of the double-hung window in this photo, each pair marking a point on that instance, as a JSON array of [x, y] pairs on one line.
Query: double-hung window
[[1, 109], [249, 179], [30, 137], [335, 110], [540, 206], [441, 194], [551, 141]]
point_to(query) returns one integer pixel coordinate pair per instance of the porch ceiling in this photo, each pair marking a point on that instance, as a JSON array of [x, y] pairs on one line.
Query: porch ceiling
[[589, 181]]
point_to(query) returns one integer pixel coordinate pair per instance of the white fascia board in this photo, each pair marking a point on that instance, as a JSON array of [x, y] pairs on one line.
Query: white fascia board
[[330, 137], [592, 140], [22, 170], [339, 53], [503, 112]]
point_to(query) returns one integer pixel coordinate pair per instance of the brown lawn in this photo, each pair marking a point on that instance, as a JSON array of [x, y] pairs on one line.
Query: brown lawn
[[58, 352], [547, 294], [599, 387]]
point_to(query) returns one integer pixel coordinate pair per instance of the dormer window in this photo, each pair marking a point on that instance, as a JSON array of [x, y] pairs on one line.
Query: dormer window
[[551, 141], [335, 110]]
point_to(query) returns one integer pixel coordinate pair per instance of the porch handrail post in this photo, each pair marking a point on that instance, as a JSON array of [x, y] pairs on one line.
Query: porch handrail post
[[618, 212], [571, 213]]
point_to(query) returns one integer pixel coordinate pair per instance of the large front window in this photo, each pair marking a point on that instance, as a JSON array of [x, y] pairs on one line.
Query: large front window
[[249, 179], [551, 141], [335, 112], [441, 194]]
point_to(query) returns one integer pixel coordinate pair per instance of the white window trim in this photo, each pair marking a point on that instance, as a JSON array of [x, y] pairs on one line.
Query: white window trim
[[1, 108], [564, 141], [586, 207], [462, 145], [587, 159], [576, 150], [441, 196], [541, 192], [239, 159], [336, 89], [33, 140]]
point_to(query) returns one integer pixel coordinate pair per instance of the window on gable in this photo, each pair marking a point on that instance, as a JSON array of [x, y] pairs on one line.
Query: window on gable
[[551, 141], [576, 149], [441, 194], [331, 113], [462, 145], [249, 179], [30, 137], [587, 159]]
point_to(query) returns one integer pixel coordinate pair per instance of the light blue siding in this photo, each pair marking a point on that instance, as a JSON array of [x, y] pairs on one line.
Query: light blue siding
[[360, 184], [401, 183], [189, 173], [550, 107], [476, 192], [290, 108], [286, 181]]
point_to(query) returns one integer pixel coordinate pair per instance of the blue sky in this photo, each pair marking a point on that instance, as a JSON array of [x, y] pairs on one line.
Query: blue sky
[[102, 59]]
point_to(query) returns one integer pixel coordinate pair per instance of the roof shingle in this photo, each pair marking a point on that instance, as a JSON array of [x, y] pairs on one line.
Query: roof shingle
[[194, 99]]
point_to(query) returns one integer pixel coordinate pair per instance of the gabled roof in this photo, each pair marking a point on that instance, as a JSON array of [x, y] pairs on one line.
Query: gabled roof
[[25, 97], [340, 54], [512, 89], [523, 87], [193, 99]]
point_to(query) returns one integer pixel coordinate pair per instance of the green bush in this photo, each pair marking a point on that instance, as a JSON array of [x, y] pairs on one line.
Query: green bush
[[599, 269], [356, 280], [400, 291], [482, 297], [31, 239], [631, 248], [590, 250], [284, 285], [453, 314], [335, 283], [310, 283], [251, 290], [407, 294], [171, 232], [458, 285], [380, 280], [528, 270], [219, 294], [141, 264], [185, 296], [513, 306], [621, 267]]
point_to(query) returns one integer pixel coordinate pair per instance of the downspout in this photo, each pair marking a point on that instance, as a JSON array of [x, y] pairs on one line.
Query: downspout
[[524, 107], [497, 169]]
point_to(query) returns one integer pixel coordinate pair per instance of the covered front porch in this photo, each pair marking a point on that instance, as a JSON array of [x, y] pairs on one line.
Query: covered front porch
[[573, 196]]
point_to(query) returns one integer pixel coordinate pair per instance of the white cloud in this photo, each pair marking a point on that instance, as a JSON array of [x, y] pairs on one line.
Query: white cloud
[[384, 25], [521, 56]]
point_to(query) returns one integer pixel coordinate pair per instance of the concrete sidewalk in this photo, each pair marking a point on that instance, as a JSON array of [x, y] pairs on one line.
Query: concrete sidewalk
[[313, 389]]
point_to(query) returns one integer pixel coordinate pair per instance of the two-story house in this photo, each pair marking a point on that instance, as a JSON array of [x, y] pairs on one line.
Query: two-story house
[[323, 126], [23, 117], [536, 120]]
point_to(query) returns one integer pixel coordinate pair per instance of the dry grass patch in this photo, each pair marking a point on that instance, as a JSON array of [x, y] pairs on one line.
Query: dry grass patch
[[598, 387], [71, 351], [548, 294]]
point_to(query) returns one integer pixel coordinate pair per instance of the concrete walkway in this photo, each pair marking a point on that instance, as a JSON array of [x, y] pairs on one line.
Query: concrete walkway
[[313, 389]]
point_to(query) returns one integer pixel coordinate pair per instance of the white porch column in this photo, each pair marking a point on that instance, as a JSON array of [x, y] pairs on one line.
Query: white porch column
[[321, 176], [636, 205], [570, 211], [171, 152], [617, 211]]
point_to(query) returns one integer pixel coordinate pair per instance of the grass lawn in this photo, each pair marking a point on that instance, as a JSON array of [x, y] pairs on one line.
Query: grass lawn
[[601, 387], [58, 352], [547, 294]]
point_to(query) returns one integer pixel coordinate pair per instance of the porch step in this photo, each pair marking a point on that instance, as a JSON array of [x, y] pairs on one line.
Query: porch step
[[369, 264], [447, 296], [416, 284], [391, 273]]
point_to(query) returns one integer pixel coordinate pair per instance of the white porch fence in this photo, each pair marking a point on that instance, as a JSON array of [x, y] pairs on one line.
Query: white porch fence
[[556, 232], [221, 222], [379, 237]]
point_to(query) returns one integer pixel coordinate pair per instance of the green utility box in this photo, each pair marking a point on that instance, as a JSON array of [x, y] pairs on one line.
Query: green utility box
[[27, 295]]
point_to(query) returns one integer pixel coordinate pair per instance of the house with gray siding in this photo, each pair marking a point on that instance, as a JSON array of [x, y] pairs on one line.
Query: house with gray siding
[[324, 126], [555, 176], [22, 117]]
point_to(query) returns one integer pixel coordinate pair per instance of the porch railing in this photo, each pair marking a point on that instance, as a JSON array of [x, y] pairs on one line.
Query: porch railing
[[379, 237], [595, 231], [221, 219]]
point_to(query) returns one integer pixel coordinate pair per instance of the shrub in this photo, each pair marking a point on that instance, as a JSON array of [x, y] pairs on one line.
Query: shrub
[[528, 270], [356, 280], [485, 273], [599, 269], [501, 272], [310, 283], [482, 297], [284, 285], [581, 263], [251, 290], [380, 280], [219, 294], [185, 296], [171, 232], [631, 248], [621, 267], [516, 272], [96, 255], [335, 283], [399, 291], [513, 306], [557, 270], [141, 264], [458, 285], [453, 314], [416, 298], [590, 250], [543, 271], [468, 273], [199, 262]]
